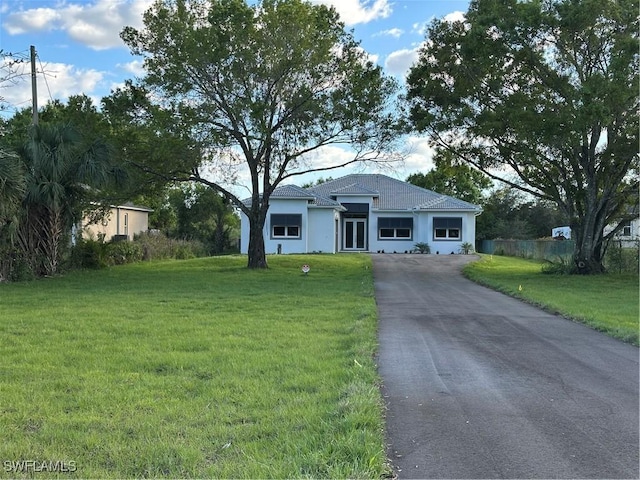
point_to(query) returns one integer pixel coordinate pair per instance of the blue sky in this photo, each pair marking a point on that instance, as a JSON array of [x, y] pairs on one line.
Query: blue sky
[[79, 50]]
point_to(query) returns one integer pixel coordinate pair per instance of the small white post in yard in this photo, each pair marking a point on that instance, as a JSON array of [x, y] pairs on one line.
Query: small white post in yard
[[305, 269]]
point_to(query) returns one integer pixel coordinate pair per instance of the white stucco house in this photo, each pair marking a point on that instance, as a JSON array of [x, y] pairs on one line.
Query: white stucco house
[[363, 213]]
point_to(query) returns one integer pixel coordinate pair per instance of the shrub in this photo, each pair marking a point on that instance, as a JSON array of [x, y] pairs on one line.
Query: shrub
[[466, 248], [620, 259], [119, 253], [88, 254], [157, 246], [422, 247], [559, 267]]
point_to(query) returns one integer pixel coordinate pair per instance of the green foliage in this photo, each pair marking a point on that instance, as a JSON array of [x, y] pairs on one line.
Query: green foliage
[[558, 267], [196, 369], [466, 248], [89, 254], [157, 246], [507, 214], [546, 91], [203, 215], [622, 259], [259, 86], [422, 247], [119, 253], [58, 167], [453, 178]]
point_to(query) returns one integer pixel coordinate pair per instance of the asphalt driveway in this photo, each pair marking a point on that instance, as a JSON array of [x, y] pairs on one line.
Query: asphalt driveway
[[479, 385]]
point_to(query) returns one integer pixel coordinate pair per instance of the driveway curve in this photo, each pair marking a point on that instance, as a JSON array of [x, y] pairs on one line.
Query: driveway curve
[[480, 385]]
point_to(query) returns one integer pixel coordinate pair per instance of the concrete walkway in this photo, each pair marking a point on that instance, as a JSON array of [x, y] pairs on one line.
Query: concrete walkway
[[479, 385]]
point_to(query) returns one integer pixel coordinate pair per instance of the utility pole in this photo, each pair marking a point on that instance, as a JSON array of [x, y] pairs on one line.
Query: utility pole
[[34, 86]]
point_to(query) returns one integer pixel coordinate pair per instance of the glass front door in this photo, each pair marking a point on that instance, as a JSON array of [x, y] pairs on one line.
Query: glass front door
[[355, 233]]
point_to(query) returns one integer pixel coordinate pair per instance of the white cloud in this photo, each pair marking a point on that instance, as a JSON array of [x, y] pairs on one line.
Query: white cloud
[[421, 28], [134, 67], [456, 16], [59, 82], [399, 62], [392, 32], [25, 21], [420, 157], [353, 12], [96, 25]]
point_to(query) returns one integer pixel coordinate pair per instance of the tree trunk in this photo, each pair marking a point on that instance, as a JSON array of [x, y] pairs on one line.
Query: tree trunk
[[256, 250], [588, 254], [52, 231]]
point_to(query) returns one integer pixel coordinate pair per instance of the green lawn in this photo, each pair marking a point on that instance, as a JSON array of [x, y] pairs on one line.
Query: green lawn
[[608, 303], [195, 368]]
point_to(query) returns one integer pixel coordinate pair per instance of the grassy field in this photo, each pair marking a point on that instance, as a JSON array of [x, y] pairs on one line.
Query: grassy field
[[195, 368], [609, 303]]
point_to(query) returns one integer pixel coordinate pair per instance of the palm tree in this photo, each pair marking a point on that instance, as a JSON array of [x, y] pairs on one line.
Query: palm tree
[[12, 187], [62, 172]]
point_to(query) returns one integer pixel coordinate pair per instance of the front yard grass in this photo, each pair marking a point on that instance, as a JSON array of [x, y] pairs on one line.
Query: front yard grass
[[197, 368], [609, 303]]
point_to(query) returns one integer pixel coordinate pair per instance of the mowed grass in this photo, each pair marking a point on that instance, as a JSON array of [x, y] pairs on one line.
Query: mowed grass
[[197, 368], [609, 303]]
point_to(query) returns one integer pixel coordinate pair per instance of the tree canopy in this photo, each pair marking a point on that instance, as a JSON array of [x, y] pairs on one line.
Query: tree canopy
[[452, 178], [51, 174], [543, 95], [256, 89]]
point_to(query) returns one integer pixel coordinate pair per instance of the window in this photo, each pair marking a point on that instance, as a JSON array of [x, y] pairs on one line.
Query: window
[[126, 224], [626, 230], [395, 228], [447, 228], [286, 225]]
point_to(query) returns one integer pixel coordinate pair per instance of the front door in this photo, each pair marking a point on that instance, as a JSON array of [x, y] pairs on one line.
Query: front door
[[355, 233]]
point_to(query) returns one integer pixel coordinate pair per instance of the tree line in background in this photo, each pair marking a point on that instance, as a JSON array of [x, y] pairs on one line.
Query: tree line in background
[[540, 95], [70, 166], [507, 213]]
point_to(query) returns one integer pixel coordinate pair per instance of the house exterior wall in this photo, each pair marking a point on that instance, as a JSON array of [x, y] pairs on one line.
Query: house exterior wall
[[423, 231], [119, 221], [468, 233], [318, 230], [274, 244], [323, 230], [392, 245]]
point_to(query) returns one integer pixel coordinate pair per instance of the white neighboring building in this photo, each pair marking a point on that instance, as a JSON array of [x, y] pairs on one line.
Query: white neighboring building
[[561, 233], [628, 235], [363, 213]]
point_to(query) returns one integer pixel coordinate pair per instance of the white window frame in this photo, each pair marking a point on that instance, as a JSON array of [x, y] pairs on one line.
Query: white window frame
[[288, 231]]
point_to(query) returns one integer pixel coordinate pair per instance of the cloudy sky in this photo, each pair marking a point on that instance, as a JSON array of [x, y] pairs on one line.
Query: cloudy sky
[[79, 49]]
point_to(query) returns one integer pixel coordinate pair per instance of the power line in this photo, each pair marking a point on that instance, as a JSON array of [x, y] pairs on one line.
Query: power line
[[44, 76]]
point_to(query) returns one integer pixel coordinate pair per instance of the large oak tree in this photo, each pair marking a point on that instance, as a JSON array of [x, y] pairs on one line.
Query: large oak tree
[[542, 94], [260, 87]]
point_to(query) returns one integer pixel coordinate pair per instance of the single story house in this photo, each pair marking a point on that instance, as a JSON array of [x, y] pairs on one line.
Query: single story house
[[121, 222], [363, 213]]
